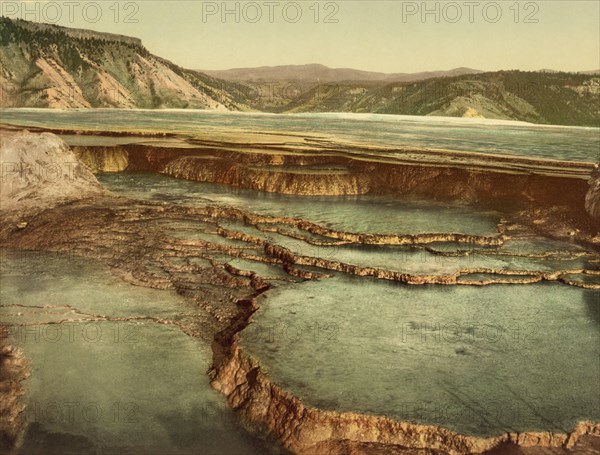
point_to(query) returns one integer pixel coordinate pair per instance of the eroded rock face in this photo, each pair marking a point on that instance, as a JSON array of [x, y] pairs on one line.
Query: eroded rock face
[[103, 159], [335, 173], [40, 171], [14, 370], [592, 200], [270, 179]]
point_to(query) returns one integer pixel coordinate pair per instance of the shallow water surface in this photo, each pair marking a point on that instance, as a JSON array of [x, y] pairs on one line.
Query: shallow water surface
[[370, 214], [469, 135], [476, 360], [131, 386]]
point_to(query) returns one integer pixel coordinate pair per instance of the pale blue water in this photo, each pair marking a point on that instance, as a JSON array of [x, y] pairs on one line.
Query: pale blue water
[[475, 360], [471, 135], [373, 214], [111, 387]]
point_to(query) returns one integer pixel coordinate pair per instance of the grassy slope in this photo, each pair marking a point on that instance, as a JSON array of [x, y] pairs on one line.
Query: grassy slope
[[551, 98]]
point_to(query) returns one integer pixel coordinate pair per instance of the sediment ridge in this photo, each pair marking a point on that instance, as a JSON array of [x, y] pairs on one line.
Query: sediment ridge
[[130, 237], [304, 165]]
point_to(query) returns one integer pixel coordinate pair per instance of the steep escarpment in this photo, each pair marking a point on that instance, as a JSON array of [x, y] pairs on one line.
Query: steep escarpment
[[301, 181], [103, 159], [499, 180]]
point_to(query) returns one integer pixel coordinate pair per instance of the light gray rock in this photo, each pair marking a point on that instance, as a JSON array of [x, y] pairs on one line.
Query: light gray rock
[[40, 171]]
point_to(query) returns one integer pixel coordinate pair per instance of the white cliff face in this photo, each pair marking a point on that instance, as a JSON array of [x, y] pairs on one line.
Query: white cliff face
[[40, 171], [592, 200]]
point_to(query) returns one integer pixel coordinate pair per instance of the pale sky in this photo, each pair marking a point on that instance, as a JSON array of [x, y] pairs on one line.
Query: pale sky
[[387, 36]]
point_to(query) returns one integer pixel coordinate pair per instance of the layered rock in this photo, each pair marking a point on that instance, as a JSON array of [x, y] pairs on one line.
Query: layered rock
[[592, 199], [308, 182], [279, 169], [437, 182], [103, 159]]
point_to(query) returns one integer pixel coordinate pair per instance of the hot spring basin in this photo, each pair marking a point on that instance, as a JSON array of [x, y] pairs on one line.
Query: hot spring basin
[[477, 360]]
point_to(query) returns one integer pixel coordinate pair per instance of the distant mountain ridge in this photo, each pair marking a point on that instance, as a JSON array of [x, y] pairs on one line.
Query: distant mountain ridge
[[321, 73]]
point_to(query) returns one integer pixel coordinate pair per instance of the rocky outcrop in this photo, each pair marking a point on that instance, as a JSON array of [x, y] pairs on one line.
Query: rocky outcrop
[[40, 171], [592, 199]]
